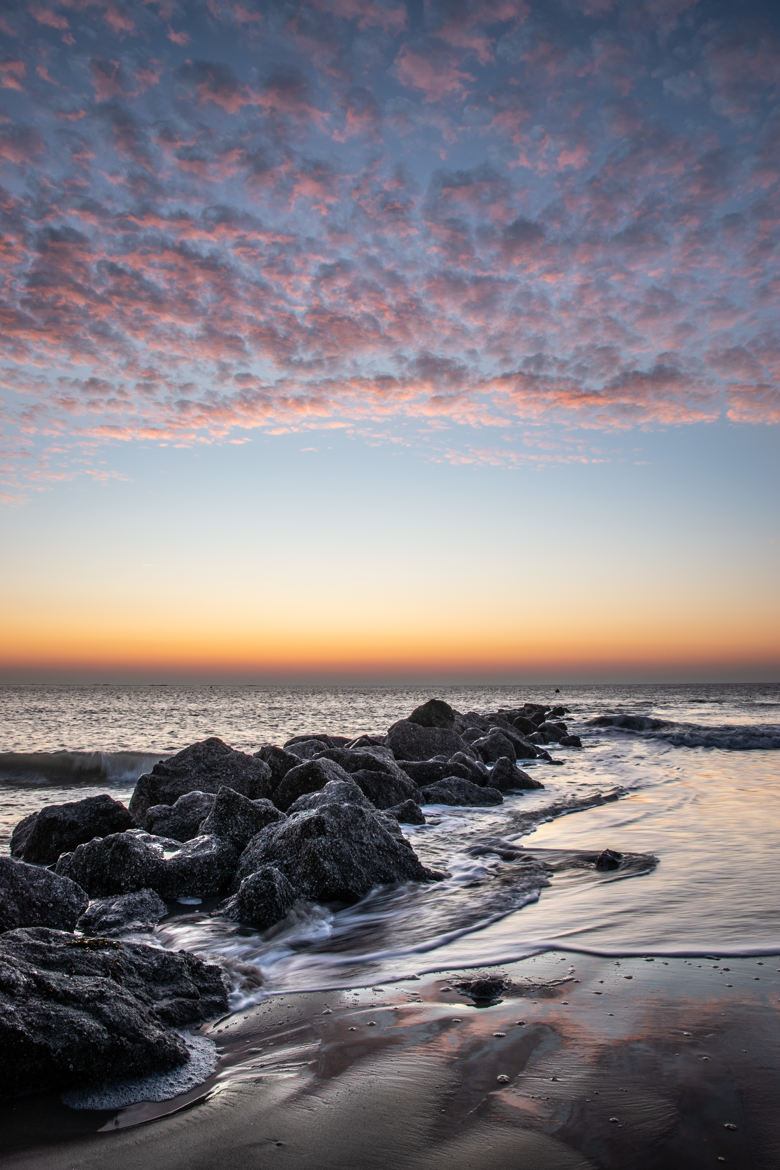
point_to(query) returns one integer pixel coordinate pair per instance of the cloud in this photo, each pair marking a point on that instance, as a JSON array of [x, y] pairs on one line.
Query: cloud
[[435, 74], [415, 222], [11, 74]]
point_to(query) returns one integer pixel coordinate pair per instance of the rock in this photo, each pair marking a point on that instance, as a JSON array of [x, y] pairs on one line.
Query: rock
[[306, 749], [373, 759], [469, 768], [77, 1010], [536, 712], [330, 741], [33, 896], [335, 853], [118, 864], [204, 767], [506, 776], [263, 898], [471, 732], [307, 777], [523, 724], [122, 912], [126, 862], [453, 790], [553, 730], [384, 790], [334, 792], [474, 720], [493, 746], [366, 741], [408, 813], [570, 741], [279, 761], [485, 989], [201, 868], [609, 859], [430, 771], [434, 713], [235, 818], [58, 828], [181, 820], [410, 741]]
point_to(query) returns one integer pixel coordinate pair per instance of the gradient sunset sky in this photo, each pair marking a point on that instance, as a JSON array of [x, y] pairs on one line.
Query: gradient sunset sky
[[390, 340]]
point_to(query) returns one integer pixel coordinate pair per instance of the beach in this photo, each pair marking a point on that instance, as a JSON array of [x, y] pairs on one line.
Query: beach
[[529, 1007], [645, 1063]]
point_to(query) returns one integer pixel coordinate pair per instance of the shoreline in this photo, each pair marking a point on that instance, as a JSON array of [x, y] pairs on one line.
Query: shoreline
[[639, 1062]]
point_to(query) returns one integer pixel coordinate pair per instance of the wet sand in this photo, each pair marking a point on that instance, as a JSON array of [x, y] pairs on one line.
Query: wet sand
[[585, 1063]]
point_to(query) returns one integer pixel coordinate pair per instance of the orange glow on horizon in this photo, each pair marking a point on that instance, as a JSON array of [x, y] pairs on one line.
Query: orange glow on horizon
[[485, 647]]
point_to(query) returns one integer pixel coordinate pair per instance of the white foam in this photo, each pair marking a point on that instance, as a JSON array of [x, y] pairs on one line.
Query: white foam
[[158, 1087]]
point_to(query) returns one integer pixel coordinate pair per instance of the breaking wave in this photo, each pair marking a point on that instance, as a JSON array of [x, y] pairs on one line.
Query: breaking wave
[[34, 769], [733, 737]]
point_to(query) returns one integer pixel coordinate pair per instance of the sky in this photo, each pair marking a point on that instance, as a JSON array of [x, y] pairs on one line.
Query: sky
[[374, 340]]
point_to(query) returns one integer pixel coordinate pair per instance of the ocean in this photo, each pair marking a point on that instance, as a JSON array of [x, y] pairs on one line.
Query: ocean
[[685, 779]]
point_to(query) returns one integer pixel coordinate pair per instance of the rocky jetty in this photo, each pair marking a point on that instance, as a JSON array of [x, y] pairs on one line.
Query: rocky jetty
[[317, 818]]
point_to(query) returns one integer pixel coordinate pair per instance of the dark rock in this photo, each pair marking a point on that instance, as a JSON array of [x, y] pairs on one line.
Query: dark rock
[[235, 818], [366, 741], [471, 732], [493, 746], [384, 790], [522, 748], [125, 862], [571, 741], [336, 853], [306, 749], [469, 768], [434, 713], [506, 776], [485, 990], [76, 1010], [263, 898], [205, 767], [33, 896], [330, 741], [279, 761], [453, 790], [118, 864], [410, 741], [553, 730], [558, 713], [609, 859], [430, 771], [179, 821], [307, 777], [536, 712], [123, 912], [58, 828], [372, 758], [475, 721], [523, 724], [334, 792], [408, 813], [201, 868]]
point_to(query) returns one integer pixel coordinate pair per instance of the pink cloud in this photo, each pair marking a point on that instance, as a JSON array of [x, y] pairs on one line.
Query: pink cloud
[[757, 404], [48, 16], [11, 74], [435, 75], [117, 20]]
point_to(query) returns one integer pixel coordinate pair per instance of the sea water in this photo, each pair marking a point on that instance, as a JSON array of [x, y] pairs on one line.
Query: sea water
[[683, 780]]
